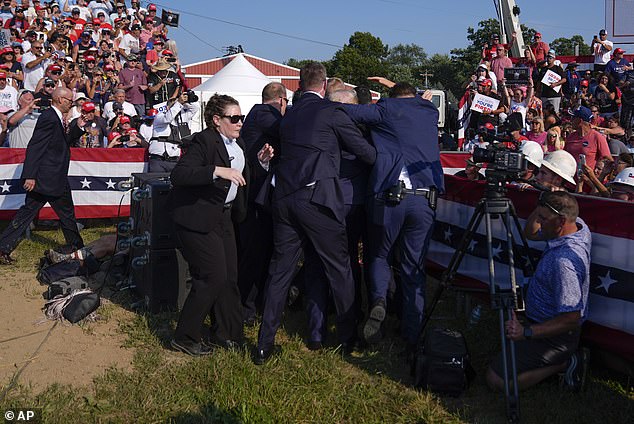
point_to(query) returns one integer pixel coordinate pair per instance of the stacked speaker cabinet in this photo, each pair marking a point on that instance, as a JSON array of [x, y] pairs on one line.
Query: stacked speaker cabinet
[[157, 269]]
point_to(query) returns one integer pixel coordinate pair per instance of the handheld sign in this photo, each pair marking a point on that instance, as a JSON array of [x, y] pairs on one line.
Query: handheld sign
[[482, 103], [161, 107], [516, 76], [551, 77]]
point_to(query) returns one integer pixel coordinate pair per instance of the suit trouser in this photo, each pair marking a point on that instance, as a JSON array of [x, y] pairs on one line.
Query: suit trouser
[[63, 207], [317, 290], [410, 224], [297, 222], [256, 248], [213, 267]]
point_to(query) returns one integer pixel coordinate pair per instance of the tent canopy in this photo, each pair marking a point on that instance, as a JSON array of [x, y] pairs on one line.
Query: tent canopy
[[238, 79]]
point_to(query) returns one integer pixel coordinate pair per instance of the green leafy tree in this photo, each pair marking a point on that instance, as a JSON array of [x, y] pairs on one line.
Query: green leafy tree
[[297, 63], [364, 55], [566, 46]]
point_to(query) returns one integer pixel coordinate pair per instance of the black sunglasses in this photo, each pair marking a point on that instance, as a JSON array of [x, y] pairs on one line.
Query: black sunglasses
[[234, 118], [56, 73]]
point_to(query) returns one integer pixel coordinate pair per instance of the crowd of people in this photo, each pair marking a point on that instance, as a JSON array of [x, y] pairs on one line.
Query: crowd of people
[[585, 113], [253, 195], [122, 69]]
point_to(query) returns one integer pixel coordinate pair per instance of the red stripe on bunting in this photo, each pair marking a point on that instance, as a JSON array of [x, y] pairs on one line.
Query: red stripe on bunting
[[86, 211], [13, 156], [603, 216]]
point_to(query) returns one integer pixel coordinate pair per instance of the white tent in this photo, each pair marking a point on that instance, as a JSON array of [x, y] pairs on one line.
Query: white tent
[[238, 79]]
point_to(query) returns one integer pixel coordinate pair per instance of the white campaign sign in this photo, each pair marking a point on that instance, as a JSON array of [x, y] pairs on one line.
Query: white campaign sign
[[482, 103], [551, 77], [161, 107]]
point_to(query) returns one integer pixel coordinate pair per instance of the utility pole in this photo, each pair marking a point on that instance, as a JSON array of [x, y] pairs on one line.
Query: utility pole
[[426, 75]]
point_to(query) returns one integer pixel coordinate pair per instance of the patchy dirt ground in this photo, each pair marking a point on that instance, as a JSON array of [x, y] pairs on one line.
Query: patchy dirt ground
[[71, 354]]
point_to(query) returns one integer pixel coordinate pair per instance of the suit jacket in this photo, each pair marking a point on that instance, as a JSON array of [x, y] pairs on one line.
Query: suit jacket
[[405, 133], [312, 134], [261, 126], [48, 155], [197, 199]]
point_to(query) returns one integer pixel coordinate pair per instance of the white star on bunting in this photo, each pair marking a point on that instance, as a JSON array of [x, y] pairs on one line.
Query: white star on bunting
[[448, 235], [606, 282], [110, 184], [5, 187], [472, 245], [85, 183], [496, 251]]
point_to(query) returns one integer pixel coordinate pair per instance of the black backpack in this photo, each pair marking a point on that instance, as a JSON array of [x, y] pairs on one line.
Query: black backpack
[[442, 364]]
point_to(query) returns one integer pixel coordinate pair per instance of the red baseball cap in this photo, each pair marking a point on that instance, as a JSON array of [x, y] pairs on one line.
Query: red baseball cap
[[131, 131], [108, 67], [88, 107], [54, 67], [584, 83], [538, 35], [7, 49], [486, 82], [89, 58], [3, 75], [124, 120], [113, 135], [151, 6], [167, 53], [619, 51]]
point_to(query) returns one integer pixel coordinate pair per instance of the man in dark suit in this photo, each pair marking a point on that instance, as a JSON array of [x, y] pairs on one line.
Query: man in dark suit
[[45, 174], [308, 204], [255, 234], [405, 133]]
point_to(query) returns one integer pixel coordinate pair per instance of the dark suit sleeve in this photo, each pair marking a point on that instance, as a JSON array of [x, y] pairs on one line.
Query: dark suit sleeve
[[351, 138], [193, 169], [38, 146], [366, 114], [74, 133]]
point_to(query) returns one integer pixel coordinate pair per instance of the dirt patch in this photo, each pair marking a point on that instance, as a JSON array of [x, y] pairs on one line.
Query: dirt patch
[[70, 355]]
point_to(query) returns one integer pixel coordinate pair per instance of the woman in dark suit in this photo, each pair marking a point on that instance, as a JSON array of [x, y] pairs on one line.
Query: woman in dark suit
[[208, 195]]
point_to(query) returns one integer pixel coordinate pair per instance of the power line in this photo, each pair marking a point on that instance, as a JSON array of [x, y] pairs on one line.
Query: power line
[[199, 39], [294, 37]]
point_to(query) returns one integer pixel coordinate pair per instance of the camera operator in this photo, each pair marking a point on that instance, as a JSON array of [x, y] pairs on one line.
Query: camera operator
[[170, 127], [556, 300]]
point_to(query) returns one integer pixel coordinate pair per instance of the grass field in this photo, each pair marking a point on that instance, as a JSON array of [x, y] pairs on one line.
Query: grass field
[[300, 386]]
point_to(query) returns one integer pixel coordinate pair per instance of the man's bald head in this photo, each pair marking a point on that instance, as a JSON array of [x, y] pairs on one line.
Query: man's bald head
[[62, 99], [273, 91]]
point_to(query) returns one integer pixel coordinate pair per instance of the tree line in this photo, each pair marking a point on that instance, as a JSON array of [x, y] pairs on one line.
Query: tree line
[[366, 55]]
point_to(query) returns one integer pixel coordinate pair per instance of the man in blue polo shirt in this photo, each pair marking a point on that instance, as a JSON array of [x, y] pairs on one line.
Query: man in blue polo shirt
[[557, 298]]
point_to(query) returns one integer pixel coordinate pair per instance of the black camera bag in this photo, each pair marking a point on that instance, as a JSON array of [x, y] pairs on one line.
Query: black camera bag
[[59, 271], [442, 363], [66, 286], [80, 306]]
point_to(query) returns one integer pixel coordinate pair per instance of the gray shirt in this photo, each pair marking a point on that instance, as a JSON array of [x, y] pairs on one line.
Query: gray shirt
[[20, 134]]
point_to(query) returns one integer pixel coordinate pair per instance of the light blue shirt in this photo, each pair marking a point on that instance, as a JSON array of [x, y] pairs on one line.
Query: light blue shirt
[[562, 279]]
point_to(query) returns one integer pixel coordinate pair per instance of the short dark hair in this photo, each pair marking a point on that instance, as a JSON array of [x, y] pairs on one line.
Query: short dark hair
[[402, 89], [312, 76], [216, 105], [272, 91], [562, 201], [627, 158]]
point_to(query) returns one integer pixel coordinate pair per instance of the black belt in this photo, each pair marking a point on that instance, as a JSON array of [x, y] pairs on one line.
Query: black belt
[[164, 157]]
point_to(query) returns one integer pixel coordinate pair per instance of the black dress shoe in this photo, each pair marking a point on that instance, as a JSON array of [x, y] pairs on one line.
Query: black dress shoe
[[262, 356], [191, 348], [315, 345], [6, 259], [214, 344]]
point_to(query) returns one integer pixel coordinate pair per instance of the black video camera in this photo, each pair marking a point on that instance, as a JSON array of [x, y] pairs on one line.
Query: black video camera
[[191, 96], [501, 159]]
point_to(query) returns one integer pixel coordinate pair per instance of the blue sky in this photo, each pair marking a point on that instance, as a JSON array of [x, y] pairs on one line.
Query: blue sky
[[437, 26]]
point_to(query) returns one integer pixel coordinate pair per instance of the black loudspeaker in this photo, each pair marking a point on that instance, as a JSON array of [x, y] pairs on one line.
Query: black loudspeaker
[[149, 209], [159, 273]]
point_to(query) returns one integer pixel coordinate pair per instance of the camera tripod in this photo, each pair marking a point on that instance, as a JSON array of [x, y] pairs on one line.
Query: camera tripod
[[492, 206]]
